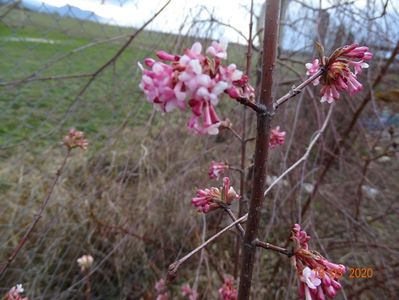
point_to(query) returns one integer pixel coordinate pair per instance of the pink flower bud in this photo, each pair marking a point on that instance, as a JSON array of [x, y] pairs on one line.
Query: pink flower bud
[[188, 292], [149, 62], [338, 76], [228, 291], [75, 139], [15, 293], [277, 137], [216, 169], [317, 275], [210, 199], [163, 55]]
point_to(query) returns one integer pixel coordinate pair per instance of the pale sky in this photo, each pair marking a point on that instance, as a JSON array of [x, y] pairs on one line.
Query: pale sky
[[136, 12]]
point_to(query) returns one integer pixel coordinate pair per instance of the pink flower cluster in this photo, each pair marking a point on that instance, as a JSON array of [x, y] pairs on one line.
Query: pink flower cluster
[[188, 292], [162, 291], [338, 76], [15, 293], [228, 291], [277, 137], [318, 276], [194, 80], [75, 139], [216, 169], [210, 199]]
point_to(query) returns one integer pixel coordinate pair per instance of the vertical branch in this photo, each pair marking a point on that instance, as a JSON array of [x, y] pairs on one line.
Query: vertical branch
[[243, 142], [261, 148]]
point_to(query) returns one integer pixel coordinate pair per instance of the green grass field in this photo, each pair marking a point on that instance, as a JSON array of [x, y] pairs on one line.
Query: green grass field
[[32, 110]]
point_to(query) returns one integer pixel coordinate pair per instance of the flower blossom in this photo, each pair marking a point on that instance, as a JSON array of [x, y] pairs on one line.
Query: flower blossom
[[188, 292], [75, 139], [210, 199], [313, 68], [15, 293], [162, 292], [228, 291], [216, 169], [85, 262], [218, 49], [277, 137], [318, 277], [338, 75], [195, 81]]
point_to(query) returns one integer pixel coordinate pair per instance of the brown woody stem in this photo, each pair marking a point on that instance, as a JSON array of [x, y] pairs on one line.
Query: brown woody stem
[[261, 148]]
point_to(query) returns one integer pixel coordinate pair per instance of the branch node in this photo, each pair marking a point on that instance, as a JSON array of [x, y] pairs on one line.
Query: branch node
[[263, 112]]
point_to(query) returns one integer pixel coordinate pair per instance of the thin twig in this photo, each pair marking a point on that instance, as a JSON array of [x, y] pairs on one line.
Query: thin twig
[[175, 266], [37, 217], [113, 58], [233, 218], [306, 154], [235, 133], [296, 90], [272, 247], [257, 242], [250, 104], [241, 204]]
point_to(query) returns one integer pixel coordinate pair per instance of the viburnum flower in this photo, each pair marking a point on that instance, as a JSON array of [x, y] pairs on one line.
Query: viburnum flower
[[75, 139], [277, 137], [313, 68], [216, 169], [228, 291], [218, 49], [188, 292], [318, 277], [338, 75], [193, 80], [210, 199], [15, 293], [85, 262], [162, 292]]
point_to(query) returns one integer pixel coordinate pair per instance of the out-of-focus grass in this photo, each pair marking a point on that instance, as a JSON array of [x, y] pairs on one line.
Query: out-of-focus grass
[[36, 107]]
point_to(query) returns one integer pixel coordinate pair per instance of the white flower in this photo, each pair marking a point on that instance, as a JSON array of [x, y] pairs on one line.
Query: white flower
[[370, 192], [19, 289], [85, 262], [309, 277], [383, 159], [308, 187]]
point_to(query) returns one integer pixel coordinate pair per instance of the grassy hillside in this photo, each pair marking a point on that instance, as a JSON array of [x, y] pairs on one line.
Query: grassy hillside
[[49, 46]]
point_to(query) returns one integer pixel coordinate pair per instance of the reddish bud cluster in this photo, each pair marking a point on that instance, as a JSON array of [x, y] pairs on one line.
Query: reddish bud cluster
[[15, 293], [228, 291], [194, 80], [338, 76], [75, 139], [318, 276], [210, 199]]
